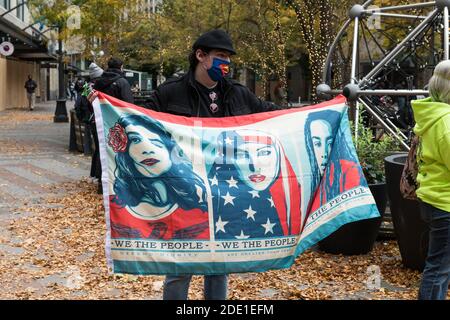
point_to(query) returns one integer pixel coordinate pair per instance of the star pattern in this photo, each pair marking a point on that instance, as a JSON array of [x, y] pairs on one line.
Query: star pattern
[[228, 141], [254, 193], [268, 227], [228, 199], [242, 236], [250, 213], [239, 211], [232, 183], [214, 181], [220, 225]]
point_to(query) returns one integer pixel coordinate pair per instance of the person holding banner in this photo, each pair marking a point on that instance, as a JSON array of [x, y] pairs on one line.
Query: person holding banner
[[206, 91], [85, 113]]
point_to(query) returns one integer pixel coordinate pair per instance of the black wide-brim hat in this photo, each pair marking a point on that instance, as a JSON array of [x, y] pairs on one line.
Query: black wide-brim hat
[[215, 39]]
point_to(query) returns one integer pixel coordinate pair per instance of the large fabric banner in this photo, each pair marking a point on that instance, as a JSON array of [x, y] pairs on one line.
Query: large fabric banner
[[224, 195]]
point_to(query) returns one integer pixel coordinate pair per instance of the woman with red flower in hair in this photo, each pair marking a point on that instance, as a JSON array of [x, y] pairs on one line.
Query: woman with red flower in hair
[[157, 193]]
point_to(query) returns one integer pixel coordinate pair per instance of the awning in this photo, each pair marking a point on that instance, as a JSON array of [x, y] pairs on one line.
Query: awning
[[26, 47], [71, 67], [77, 71]]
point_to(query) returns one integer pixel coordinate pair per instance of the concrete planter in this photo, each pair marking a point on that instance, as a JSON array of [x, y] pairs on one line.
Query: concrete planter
[[357, 237], [410, 230]]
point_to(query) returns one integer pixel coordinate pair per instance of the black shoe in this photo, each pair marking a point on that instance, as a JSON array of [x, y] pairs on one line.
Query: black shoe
[[100, 188]]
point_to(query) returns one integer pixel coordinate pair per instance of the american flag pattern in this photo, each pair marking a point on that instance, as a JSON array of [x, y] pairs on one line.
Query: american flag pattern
[[241, 212]]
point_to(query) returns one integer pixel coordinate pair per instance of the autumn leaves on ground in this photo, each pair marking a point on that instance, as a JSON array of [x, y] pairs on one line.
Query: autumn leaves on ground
[[57, 252]]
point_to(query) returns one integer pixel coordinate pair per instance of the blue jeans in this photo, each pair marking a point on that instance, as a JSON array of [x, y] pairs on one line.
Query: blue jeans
[[176, 287], [436, 275]]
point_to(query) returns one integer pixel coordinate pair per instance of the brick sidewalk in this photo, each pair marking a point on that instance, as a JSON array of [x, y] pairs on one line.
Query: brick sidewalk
[[34, 154]]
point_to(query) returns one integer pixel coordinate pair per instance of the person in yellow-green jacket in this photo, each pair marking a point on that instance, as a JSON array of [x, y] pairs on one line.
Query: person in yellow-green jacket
[[432, 116]]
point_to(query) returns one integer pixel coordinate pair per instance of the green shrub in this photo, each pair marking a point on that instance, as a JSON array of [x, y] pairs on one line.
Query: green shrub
[[371, 152]]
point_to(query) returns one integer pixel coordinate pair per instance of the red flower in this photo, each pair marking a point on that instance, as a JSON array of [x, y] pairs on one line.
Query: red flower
[[117, 138]]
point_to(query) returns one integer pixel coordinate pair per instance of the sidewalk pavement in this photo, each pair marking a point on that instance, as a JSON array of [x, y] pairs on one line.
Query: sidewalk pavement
[[33, 155]]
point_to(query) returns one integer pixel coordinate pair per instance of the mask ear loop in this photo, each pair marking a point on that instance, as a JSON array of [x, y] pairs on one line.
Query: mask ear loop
[[205, 63]]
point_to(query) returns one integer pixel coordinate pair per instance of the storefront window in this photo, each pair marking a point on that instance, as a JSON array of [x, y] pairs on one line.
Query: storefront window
[[21, 10], [5, 4]]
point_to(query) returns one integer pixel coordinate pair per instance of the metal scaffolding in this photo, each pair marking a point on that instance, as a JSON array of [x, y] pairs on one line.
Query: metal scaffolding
[[362, 87]]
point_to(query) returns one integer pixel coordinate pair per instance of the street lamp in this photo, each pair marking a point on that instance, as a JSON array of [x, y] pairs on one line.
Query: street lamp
[[61, 111], [94, 54]]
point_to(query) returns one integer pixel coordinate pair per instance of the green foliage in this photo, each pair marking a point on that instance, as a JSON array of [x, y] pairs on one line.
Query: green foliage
[[262, 31], [371, 152], [269, 35], [104, 24], [268, 40], [318, 24]]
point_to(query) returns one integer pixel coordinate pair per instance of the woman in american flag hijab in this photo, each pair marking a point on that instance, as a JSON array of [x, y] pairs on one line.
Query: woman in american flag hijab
[[255, 190]]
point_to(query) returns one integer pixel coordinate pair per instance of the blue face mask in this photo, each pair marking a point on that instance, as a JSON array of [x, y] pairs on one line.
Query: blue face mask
[[219, 69]]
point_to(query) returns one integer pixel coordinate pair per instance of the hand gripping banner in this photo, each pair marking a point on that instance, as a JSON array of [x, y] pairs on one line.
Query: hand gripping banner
[[225, 195]]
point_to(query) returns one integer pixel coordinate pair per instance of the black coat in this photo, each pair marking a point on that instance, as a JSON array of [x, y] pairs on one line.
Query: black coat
[[113, 83], [83, 108], [180, 96], [31, 86]]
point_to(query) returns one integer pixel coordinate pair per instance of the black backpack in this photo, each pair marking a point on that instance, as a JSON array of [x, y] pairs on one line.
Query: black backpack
[[111, 87]]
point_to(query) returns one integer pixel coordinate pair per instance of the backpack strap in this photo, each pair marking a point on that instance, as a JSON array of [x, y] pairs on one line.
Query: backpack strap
[[109, 82], [408, 180]]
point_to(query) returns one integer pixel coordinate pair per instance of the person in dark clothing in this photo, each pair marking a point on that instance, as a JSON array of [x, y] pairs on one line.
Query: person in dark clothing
[[205, 91], [95, 72], [30, 86], [85, 113], [78, 89], [78, 86], [71, 90], [113, 82]]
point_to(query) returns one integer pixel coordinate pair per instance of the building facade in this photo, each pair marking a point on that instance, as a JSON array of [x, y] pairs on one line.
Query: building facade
[[31, 57]]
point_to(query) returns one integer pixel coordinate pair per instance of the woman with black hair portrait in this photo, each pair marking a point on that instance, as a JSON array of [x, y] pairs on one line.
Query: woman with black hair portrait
[[333, 168], [157, 193]]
